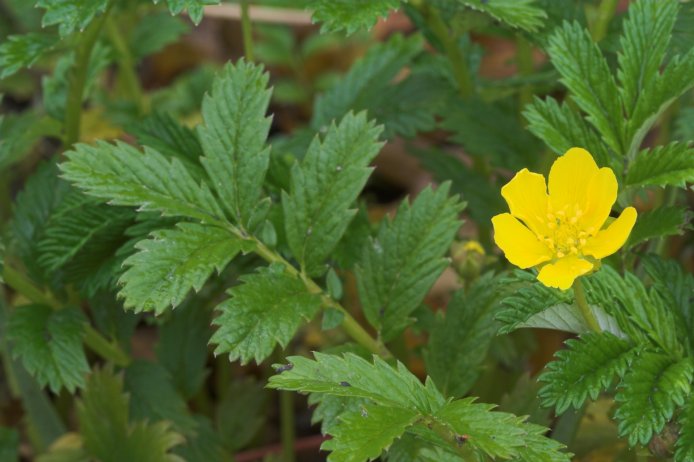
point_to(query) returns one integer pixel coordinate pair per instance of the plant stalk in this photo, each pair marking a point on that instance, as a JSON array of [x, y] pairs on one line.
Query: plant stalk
[[247, 31], [287, 425], [582, 303], [606, 12], [126, 66], [110, 351], [78, 80]]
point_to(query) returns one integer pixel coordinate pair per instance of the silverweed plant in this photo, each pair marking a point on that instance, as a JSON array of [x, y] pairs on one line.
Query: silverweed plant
[[398, 230]]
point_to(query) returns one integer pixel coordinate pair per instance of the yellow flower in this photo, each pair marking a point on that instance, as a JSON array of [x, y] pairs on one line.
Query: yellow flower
[[562, 232]]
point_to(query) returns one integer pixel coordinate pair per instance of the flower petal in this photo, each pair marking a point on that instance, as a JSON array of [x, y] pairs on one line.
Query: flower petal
[[610, 239], [526, 195], [569, 178], [520, 245], [562, 273], [601, 194]]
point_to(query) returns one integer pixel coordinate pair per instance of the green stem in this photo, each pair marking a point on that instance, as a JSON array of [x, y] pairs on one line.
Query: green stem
[[247, 31], [126, 66], [287, 425], [461, 70], [582, 304], [78, 80], [23, 285], [349, 324], [606, 12], [524, 58], [110, 351]]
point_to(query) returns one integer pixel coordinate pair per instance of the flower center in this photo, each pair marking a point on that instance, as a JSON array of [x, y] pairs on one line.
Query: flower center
[[565, 235]]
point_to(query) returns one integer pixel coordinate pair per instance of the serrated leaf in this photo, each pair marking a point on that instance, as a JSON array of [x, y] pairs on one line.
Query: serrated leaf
[[649, 393], [568, 318], [398, 268], [458, 341], [669, 165], [645, 37], [125, 176], [661, 221], [49, 344], [153, 397], [77, 222], [363, 86], [194, 8], [561, 128], [265, 310], [174, 261], [19, 134], [585, 368], [108, 435], [324, 186], [23, 51], [241, 413], [70, 15], [350, 15], [233, 137], [364, 434], [585, 72], [523, 14]]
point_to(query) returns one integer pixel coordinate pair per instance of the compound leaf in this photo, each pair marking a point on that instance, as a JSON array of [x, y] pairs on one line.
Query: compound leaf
[[174, 261], [324, 186], [661, 221], [23, 51], [49, 344], [70, 15], [195, 8], [585, 368], [684, 447], [649, 393], [400, 265], [523, 14], [265, 310], [233, 137]]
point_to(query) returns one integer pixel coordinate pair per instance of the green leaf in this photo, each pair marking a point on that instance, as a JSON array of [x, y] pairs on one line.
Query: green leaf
[[413, 406], [363, 86], [70, 15], [661, 221], [458, 341], [562, 128], [324, 186], [649, 393], [362, 435], [125, 176], [23, 51], [684, 451], [49, 344], [585, 73], [523, 14], [241, 413], [399, 267], [490, 131], [233, 137], [174, 261], [350, 15], [20, 133], [669, 165], [585, 368], [77, 222], [182, 347], [153, 396], [645, 37], [154, 32], [9, 445], [266, 310], [195, 8], [107, 434], [164, 134], [42, 195]]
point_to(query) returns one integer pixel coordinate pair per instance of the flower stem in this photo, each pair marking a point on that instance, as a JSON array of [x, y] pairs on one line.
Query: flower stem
[[582, 304], [287, 425], [110, 351], [247, 31], [78, 80], [605, 14]]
